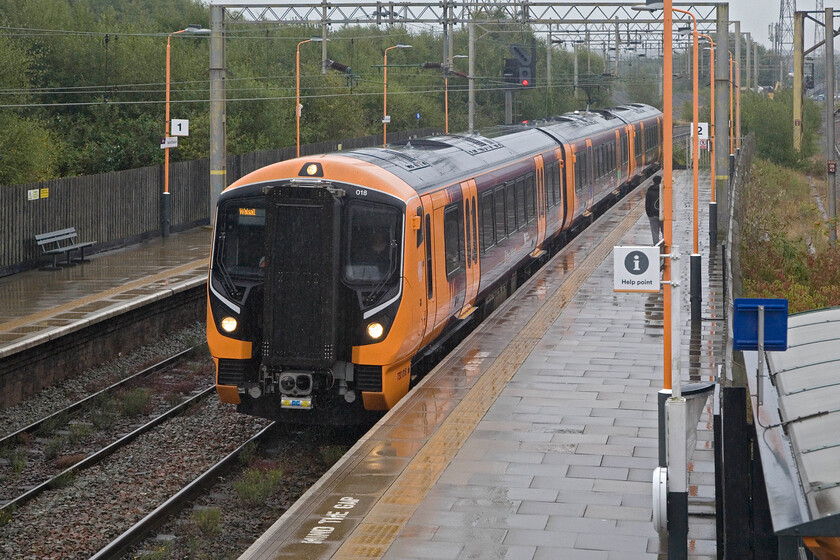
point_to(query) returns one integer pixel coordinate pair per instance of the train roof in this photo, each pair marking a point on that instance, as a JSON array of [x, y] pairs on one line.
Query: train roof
[[439, 160]]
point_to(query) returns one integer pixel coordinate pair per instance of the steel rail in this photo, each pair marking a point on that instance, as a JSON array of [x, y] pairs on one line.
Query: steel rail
[[33, 427], [119, 546], [98, 456]]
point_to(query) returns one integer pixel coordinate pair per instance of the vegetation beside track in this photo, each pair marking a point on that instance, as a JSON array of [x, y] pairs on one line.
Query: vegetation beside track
[[785, 252]]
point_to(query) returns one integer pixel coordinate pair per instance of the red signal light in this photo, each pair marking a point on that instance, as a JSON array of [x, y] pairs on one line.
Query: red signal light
[[524, 83]]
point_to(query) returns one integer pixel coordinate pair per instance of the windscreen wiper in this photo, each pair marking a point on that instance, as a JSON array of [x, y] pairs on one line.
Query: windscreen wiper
[[379, 290], [227, 282]]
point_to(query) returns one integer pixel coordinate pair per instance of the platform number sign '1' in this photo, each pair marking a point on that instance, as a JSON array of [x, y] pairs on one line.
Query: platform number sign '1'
[[635, 269]]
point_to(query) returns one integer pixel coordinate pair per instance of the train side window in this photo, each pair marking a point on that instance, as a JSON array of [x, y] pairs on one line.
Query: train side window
[[579, 179], [554, 181], [510, 208], [453, 238], [499, 200], [587, 169], [531, 196], [521, 215], [605, 150], [429, 276], [600, 162], [486, 223]]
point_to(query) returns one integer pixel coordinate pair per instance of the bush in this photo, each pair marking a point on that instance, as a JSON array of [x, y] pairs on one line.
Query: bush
[[208, 520], [135, 401], [255, 486], [63, 481], [784, 248], [53, 447], [332, 453]]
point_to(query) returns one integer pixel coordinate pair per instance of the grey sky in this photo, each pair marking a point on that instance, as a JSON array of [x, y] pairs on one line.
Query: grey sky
[[756, 15]]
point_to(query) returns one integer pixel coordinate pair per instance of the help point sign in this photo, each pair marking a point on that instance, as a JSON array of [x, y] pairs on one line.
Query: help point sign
[[635, 269]]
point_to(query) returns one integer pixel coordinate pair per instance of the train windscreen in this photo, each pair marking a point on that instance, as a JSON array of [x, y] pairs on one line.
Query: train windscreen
[[240, 240], [373, 243]]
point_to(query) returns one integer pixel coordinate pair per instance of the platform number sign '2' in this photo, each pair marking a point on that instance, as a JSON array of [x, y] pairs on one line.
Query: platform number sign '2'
[[635, 269]]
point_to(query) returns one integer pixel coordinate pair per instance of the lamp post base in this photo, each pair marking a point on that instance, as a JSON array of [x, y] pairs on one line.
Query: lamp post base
[[165, 213]]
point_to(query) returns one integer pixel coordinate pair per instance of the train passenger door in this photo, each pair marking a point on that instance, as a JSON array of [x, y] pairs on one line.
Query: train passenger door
[[660, 147], [589, 174], [563, 204], [643, 145], [542, 201], [473, 270], [617, 161], [572, 170], [437, 285]]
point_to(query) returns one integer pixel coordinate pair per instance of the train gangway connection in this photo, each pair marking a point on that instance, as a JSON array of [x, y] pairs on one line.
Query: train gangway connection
[[537, 436]]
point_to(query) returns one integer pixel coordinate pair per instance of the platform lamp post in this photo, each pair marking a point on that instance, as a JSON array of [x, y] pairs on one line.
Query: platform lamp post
[[696, 295], [298, 106], [713, 203], [673, 414], [165, 201], [385, 117]]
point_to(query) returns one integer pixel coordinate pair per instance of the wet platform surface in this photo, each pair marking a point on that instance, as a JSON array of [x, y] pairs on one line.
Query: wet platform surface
[[41, 305], [537, 437]]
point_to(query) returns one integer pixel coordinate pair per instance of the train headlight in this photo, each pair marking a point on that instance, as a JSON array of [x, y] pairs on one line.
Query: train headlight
[[229, 324], [375, 330]]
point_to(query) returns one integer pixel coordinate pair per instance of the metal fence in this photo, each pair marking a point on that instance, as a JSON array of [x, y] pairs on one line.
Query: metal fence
[[123, 207]]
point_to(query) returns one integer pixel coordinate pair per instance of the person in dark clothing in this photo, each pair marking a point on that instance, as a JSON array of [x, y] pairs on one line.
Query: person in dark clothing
[[652, 209]]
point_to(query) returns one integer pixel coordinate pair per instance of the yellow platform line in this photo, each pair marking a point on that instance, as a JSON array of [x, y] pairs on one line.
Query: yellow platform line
[[388, 517], [70, 305]]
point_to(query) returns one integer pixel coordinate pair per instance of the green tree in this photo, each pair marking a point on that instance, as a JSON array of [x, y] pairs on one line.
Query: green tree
[[771, 121], [27, 149]]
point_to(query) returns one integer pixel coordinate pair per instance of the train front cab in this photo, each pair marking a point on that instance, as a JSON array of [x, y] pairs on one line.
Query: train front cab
[[338, 329]]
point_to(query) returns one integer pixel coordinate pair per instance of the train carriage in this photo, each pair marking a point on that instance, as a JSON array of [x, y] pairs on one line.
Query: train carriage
[[332, 276]]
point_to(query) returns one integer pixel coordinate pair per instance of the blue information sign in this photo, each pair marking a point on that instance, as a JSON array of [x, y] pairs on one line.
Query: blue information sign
[[745, 324], [418, 116]]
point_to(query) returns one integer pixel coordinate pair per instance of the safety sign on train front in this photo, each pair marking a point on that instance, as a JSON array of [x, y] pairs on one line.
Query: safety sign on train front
[[635, 269]]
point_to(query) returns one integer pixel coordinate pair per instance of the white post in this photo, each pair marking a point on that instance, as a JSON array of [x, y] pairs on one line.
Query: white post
[[759, 379], [676, 325]]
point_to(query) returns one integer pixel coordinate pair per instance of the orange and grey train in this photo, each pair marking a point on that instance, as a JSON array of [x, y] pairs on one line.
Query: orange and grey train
[[331, 276]]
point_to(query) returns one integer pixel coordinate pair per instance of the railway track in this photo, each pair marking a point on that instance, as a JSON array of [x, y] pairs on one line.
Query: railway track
[[128, 486], [116, 495], [83, 433], [119, 546], [34, 427]]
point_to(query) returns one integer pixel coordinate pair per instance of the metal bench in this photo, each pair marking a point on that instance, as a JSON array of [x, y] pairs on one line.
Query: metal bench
[[60, 242]]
